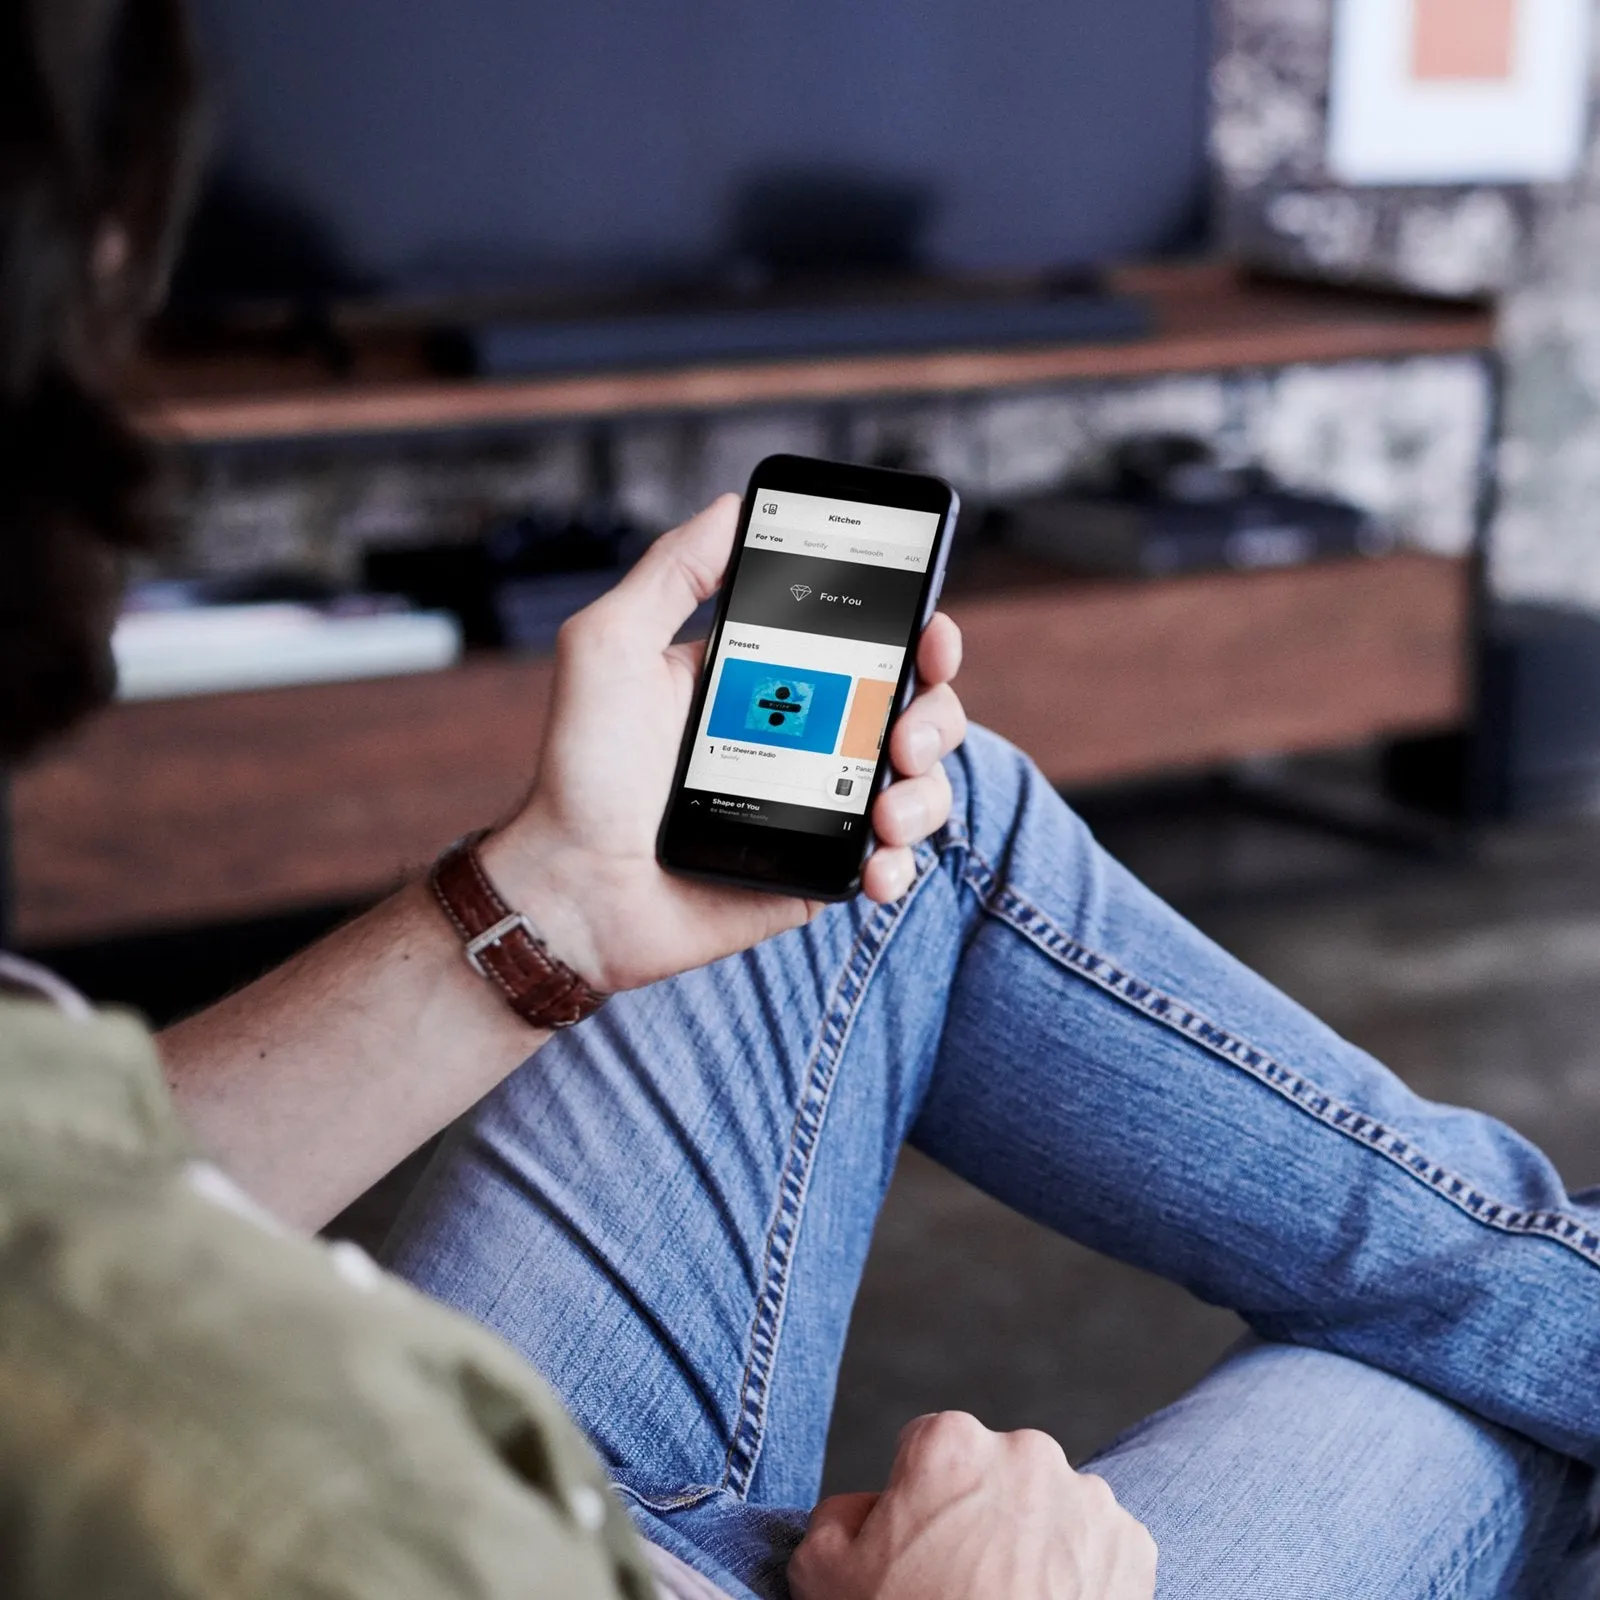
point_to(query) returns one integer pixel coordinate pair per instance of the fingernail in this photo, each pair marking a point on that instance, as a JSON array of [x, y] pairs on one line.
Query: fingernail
[[922, 745]]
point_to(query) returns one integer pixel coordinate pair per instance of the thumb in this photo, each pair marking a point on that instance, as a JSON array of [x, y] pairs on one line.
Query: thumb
[[681, 569]]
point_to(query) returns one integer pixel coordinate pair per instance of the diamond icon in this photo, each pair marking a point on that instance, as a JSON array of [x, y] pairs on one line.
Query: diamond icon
[[800, 590]]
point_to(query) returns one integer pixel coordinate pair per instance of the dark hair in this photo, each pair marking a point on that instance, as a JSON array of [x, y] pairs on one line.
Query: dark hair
[[97, 159]]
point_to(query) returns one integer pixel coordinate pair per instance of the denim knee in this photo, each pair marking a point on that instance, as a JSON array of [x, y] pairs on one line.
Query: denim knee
[[996, 788]]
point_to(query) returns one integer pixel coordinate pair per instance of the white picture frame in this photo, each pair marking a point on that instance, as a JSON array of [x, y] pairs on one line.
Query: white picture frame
[[1389, 124]]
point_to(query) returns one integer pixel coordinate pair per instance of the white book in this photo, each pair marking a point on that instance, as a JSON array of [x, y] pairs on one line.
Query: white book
[[216, 649]]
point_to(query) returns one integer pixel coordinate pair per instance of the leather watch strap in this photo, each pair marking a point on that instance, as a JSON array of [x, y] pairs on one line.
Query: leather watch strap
[[502, 946]]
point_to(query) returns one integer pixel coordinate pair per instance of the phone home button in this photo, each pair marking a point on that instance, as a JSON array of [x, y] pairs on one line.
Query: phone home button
[[754, 860]]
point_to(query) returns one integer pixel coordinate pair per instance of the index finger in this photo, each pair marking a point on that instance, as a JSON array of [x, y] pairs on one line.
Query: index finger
[[679, 570], [842, 1514]]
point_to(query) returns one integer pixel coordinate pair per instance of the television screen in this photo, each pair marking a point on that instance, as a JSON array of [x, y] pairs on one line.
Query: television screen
[[441, 146]]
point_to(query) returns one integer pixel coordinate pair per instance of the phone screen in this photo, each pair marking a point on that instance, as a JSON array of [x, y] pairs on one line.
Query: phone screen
[[826, 600]]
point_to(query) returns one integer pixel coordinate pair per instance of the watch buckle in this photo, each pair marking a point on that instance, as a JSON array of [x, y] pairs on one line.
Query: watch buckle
[[492, 936]]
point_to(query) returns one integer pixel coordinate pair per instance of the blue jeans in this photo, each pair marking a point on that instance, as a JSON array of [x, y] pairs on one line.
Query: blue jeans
[[668, 1212]]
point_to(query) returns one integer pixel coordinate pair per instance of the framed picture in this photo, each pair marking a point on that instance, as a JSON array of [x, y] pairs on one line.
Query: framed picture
[[1458, 91]]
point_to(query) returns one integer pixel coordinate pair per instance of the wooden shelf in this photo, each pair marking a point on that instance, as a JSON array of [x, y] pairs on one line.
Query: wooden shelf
[[1208, 318], [184, 811], [1100, 682], [229, 806]]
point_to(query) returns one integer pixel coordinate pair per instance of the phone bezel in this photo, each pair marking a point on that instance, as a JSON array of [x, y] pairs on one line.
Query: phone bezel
[[779, 860]]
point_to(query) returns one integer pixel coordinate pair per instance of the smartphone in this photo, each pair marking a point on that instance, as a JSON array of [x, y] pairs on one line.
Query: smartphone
[[835, 573]]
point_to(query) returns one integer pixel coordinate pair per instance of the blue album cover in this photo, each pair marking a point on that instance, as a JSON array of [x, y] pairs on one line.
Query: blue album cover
[[791, 707], [780, 706]]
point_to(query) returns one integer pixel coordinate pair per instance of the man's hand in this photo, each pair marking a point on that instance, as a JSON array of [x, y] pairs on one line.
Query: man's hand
[[580, 855], [313, 1082], [975, 1515]]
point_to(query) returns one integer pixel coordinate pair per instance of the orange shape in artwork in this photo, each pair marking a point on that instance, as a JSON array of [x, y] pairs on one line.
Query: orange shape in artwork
[[1464, 39], [869, 712]]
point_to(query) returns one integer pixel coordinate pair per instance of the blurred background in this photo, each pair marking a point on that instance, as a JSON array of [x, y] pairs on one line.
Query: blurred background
[[1262, 342]]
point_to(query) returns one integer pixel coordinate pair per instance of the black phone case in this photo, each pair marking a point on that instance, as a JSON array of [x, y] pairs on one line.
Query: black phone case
[[907, 692]]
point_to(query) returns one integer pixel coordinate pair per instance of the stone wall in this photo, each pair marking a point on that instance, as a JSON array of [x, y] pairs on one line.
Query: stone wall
[[1538, 249], [1402, 437]]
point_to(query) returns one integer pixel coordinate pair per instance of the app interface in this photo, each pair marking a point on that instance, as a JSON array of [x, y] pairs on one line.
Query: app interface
[[801, 690]]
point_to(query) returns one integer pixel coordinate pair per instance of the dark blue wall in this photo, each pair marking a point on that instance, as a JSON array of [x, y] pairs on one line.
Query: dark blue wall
[[430, 135]]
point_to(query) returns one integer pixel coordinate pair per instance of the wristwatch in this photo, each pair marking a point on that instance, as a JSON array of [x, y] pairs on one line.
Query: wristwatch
[[503, 947]]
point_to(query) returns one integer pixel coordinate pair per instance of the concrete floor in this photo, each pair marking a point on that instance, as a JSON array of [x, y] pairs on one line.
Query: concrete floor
[[1479, 983]]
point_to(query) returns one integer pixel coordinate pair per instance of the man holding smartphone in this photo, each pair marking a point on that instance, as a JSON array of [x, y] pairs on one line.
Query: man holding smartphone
[[668, 1208], [665, 1210]]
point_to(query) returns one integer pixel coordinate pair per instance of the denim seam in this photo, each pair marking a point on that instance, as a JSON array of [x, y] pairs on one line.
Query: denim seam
[[794, 1183], [694, 1495], [1040, 929], [1478, 1541], [1463, 1563]]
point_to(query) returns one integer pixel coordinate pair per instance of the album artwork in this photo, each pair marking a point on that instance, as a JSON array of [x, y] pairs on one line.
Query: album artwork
[[796, 708], [780, 706]]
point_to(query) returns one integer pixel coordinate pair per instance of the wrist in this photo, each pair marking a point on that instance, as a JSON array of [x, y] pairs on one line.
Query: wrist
[[536, 875]]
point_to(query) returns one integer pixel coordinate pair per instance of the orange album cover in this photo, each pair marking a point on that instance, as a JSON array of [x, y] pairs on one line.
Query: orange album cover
[[863, 733]]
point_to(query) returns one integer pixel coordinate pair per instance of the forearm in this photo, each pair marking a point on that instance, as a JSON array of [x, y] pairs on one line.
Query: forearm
[[312, 1083]]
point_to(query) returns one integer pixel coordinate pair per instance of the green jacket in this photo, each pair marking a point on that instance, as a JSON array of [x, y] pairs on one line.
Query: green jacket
[[195, 1404]]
